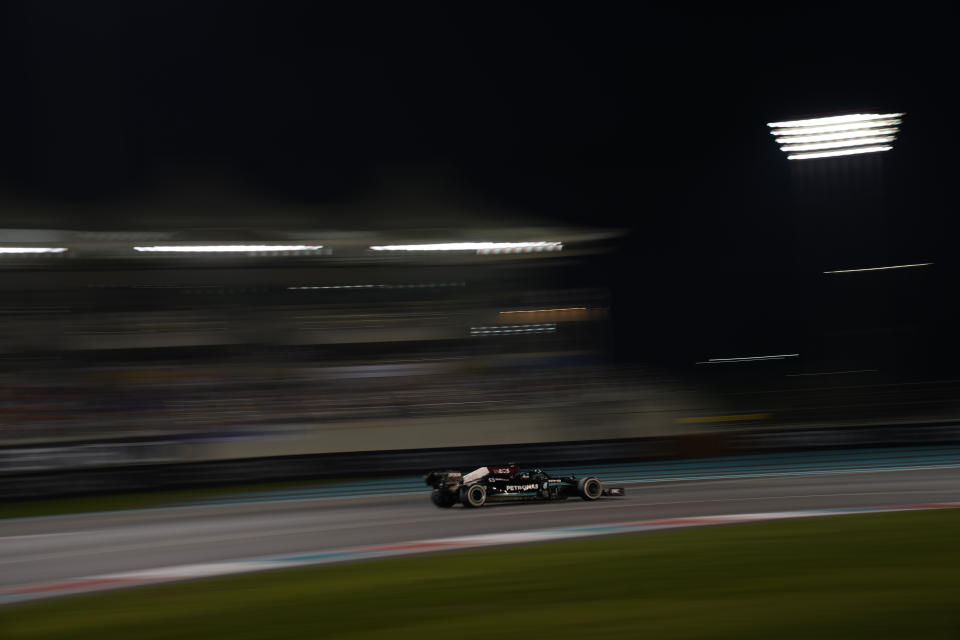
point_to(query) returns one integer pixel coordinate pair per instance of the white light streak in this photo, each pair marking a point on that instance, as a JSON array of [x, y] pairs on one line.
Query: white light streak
[[32, 249], [896, 266], [471, 246], [562, 309], [749, 358], [847, 135], [841, 152], [838, 144], [507, 329], [418, 285], [836, 128], [832, 120], [228, 248]]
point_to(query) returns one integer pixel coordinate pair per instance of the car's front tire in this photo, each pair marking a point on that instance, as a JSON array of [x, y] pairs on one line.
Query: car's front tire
[[473, 496], [589, 488], [443, 499]]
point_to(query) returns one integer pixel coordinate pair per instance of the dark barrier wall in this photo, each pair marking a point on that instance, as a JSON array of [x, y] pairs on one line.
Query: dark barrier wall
[[141, 474]]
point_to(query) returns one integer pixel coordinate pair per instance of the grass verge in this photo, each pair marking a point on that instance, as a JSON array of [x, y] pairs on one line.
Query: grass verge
[[891, 575]]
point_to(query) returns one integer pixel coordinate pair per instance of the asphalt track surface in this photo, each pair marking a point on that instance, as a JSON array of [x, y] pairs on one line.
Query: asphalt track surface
[[43, 549]]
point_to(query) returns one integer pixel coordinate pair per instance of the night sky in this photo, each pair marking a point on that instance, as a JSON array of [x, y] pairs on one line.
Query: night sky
[[651, 120]]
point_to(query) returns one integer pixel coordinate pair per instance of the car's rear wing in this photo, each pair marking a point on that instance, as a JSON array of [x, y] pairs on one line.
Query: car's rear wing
[[438, 478]]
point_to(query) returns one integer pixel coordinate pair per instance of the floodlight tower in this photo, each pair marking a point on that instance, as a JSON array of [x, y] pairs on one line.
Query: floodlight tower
[[836, 164]]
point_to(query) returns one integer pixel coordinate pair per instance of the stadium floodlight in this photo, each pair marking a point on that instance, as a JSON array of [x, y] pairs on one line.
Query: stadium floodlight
[[835, 120], [12, 250], [836, 135], [229, 248], [837, 128], [839, 152], [866, 133], [479, 247], [837, 144]]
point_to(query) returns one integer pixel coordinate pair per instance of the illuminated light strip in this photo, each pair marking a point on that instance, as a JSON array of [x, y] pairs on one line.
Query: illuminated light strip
[[420, 285], [896, 266], [546, 327], [835, 120], [855, 142], [836, 128], [87, 584], [228, 248], [471, 246], [749, 358], [516, 326], [829, 137], [842, 152], [507, 313], [13, 250], [511, 330], [497, 332], [518, 250]]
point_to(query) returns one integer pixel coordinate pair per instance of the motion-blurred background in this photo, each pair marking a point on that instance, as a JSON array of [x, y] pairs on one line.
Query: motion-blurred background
[[660, 267]]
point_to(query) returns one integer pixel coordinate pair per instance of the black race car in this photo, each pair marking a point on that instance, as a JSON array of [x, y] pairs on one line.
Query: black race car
[[509, 484]]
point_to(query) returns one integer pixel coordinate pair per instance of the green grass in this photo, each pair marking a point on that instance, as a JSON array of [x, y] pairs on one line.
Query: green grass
[[136, 500], [873, 576]]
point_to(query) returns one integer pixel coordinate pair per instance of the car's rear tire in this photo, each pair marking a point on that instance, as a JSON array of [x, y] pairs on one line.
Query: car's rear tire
[[589, 488], [443, 499], [473, 496]]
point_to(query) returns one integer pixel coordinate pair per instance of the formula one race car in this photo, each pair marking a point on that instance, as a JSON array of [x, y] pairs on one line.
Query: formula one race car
[[509, 484]]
